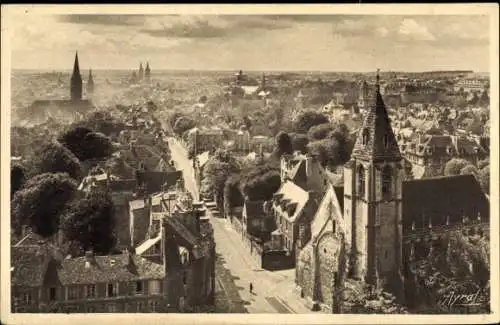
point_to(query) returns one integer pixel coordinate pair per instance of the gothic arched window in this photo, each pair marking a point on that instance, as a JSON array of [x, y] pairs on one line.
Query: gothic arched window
[[386, 182], [361, 181], [366, 136], [386, 140]]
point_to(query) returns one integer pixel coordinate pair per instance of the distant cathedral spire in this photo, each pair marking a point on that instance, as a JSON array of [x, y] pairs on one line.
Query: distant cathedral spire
[[90, 83], [147, 72], [76, 81], [141, 71]]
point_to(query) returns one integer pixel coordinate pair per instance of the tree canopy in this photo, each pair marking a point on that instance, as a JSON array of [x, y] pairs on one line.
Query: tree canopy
[[299, 142], [335, 149], [41, 202], [260, 182], [232, 193], [101, 122], [53, 157], [283, 144], [307, 120], [320, 131], [454, 166], [86, 144], [17, 178], [217, 170], [89, 223], [182, 124]]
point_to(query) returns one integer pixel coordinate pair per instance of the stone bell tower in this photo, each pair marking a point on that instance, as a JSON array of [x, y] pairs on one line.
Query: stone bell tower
[[372, 198]]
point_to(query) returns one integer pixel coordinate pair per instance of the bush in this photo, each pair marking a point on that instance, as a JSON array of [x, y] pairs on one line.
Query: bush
[[454, 166]]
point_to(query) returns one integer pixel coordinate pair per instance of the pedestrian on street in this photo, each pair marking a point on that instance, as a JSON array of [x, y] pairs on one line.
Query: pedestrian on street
[[251, 287]]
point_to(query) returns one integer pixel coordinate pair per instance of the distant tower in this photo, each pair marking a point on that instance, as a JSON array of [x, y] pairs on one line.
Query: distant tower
[[141, 72], [239, 77], [90, 83], [76, 81], [363, 95], [263, 81], [372, 199], [147, 72]]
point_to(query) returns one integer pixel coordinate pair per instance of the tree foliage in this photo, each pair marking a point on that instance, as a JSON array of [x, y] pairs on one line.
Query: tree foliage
[[86, 144], [53, 157], [89, 223], [41, 201], [216, 172], [470, 170], [182, 124], [320, 131], [101, 122], [17, 178], [307, 120], [260, 182], [454, 166], [283, 144], [232, 193], [484, 178], [361, 298], [299, 142], [335, 149]]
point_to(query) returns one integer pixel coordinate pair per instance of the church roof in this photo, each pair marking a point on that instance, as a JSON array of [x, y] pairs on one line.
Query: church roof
[[459, 196], [376, 140]]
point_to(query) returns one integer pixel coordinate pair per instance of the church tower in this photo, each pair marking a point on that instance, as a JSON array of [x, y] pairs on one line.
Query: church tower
[[90, 83], [141, 72], [147, 72], [372, 199], [76, 81]]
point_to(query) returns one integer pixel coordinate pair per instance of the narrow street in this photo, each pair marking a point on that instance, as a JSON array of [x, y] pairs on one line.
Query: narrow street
[[274, 292]]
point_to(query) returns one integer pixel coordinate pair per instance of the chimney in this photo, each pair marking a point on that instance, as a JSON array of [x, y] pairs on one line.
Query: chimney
[[89, 259]]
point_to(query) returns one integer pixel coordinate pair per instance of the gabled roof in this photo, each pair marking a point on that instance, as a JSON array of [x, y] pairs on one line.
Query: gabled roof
[[28, 265], [294, 194], [377, 127], [154, 181], [147, 244], [459, 196], [106, 269], [329, 209]]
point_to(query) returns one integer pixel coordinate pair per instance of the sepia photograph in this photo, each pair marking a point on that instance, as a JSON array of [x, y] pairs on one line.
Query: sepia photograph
[[288, 160]]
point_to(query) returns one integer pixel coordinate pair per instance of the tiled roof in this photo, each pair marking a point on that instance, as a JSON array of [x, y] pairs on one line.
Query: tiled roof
[[154, 181], [28, 265], [458, 196], [295, 194], [377, 126], [111, 268]]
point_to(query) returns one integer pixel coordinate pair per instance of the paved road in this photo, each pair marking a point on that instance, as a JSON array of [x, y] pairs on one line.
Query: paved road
[[274, 292]]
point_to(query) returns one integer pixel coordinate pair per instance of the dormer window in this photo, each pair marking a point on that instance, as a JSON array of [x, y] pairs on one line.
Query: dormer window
[[365, 136]]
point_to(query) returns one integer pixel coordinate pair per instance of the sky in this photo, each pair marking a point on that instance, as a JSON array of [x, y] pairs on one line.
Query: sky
[[251, 42]]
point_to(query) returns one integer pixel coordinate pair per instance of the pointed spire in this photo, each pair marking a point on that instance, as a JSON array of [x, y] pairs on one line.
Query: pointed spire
[[76, 66], [376, 140], [76, 81]]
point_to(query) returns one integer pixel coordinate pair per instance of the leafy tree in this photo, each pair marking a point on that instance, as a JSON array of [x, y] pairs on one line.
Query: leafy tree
[[484, 178], [174, 117], [469, 170], [483, 163], [260, 182], [17, 178], [232, 193], [216, 172], [320, 131], [454, 166], [119, 167], [334, 150], [299, 142], [183, 124], [86, 144], [53, 157], [89, 223], [203, 99], [283, 144], [307, 120], [101, 122], [41, 201]]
